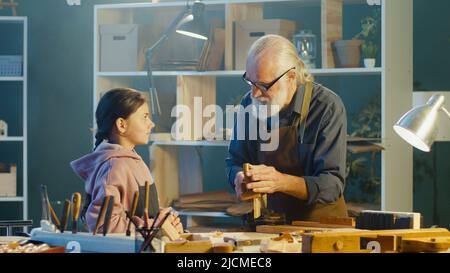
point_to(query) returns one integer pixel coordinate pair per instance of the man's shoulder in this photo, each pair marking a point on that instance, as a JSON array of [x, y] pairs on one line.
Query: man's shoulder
[[325, 98]]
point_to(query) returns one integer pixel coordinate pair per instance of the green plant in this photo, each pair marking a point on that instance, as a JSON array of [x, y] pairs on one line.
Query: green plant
[[369, 50], [368, 33], [363, 182]]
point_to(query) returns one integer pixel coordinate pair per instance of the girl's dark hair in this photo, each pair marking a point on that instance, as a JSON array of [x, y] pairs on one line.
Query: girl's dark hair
[[116, 103]]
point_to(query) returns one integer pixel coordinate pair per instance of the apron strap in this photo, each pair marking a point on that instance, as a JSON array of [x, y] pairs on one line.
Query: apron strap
[[300, 121]]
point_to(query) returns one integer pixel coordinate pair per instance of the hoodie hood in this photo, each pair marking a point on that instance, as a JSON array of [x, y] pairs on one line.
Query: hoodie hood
[[86, 166]]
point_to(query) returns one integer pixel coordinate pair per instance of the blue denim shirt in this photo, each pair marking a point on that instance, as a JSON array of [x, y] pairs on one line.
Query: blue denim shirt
[[323, 151]]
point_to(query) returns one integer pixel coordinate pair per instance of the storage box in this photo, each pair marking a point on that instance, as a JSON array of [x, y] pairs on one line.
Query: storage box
[[248, 31], [8, 181], [119, 47], [10, 66]]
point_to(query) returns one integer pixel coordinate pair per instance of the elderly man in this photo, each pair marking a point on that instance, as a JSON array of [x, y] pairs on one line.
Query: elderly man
[[305, 176]]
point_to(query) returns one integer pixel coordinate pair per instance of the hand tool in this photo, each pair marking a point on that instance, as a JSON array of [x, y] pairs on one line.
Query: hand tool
[[76, 204], [146, 197], [45, 204], [153, 232], [54, 216], [133, 207], [65, 216], [108, 214], [101, 214]]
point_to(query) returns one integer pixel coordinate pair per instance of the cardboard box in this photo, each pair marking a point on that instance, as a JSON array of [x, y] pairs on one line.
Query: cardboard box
[[248, 31], [8, 182], [119, 47]]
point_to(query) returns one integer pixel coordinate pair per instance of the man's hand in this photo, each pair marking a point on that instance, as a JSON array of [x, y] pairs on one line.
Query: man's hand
[[265, 179], [238, 181]]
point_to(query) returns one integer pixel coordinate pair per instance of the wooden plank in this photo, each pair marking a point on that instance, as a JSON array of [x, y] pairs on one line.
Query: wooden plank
[[345, 221], [331, 24], [345, 242], [318, 225], [236, 12], [169, 230], [425, 244], [189, 91], [165, 172], [287, 228], [202, 246]]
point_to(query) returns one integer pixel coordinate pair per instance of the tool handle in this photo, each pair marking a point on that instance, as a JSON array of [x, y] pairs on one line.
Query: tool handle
[[101, 214], [65, 215], [147, 196], [54, 217], [76, 202], [134, 203]]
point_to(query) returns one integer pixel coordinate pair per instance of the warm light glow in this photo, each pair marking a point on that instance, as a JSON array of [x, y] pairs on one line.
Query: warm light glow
[[411, 138], [191, 34]]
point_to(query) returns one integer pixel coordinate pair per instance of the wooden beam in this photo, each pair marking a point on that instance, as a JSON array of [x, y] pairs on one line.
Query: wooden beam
[[331, 24]]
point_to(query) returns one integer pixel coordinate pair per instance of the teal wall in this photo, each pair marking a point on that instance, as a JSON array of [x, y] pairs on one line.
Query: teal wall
[[60, 100]]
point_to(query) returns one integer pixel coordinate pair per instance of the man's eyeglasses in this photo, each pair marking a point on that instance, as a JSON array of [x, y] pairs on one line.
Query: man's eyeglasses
[[264, 87]]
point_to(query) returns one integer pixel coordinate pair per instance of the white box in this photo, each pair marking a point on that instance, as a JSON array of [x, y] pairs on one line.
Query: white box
[[10, 65], [8, 183], [119, 47], [248, 31]]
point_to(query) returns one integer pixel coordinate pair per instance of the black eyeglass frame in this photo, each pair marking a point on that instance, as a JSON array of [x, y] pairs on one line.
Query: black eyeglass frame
[[264, 87]]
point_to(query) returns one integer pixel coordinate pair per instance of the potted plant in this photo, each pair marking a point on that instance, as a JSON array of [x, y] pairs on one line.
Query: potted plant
[[348, 52], [369, 52], [368, 33]]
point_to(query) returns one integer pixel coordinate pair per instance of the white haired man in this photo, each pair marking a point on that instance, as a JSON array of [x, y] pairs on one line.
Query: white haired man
[[305, 176]]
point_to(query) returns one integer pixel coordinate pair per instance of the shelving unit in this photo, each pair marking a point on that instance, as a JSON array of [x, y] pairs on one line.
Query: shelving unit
[[22, 24], [177, 164]]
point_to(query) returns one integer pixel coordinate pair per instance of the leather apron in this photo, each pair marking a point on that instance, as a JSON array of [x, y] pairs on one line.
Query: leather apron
[[286, 159]]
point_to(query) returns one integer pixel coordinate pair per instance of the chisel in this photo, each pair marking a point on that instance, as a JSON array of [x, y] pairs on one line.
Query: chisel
[[108, 214], [65, 216], [146, 197], [76, 204], [101, 214], [54, 217], [133, 207]]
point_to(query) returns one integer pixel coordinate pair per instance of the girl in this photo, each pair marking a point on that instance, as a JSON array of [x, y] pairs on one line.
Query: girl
[[114, 168]]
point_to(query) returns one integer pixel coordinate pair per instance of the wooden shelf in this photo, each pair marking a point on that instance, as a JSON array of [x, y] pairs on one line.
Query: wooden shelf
[[232, 73], [11, 139], [193, 143], [11, 79], [11, 199], [204, 213]]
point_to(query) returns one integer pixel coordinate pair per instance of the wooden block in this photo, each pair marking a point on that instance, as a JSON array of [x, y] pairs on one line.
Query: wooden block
[[169, 230], [331, 24], [344, 221], [222, 248], [203, 246], [249, 195], [318, 225], [257, 205], [350, 242], [435, 244]]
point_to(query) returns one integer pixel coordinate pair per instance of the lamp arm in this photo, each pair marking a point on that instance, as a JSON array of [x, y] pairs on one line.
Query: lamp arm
[[445, 111], [169, 29], [154, 101]]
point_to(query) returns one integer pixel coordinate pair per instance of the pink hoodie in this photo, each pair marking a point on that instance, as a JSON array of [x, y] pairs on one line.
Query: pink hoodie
[[111, 170]]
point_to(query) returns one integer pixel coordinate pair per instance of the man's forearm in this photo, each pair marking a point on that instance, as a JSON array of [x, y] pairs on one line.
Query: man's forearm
[[295, 186]]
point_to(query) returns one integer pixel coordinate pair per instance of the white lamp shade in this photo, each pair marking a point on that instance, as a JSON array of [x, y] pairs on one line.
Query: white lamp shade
[[418, 126]]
